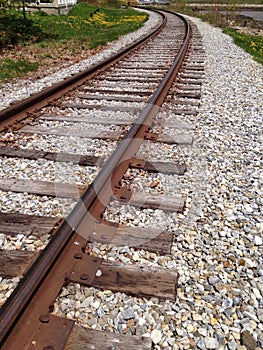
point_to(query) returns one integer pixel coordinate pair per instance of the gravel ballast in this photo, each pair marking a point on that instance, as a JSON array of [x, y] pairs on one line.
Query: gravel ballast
[[219, 252]]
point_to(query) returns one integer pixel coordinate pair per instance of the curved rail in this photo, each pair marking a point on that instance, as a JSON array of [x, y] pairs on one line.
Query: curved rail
[[18, 302]]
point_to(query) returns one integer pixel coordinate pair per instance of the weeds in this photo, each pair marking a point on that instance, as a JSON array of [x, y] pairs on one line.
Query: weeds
[[12, 69], [250, 43]]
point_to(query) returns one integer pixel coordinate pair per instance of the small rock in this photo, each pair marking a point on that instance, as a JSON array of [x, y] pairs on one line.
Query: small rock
[[197, 317], [213, 321], [180, 332], [207, 298], [260, 315], [144, 307], [190, 328], [100, 312], [131, 322], [248, 208], [225, 329], [202, 331], [213, 280], [231, 345], [221, 340], [141, 321], [211, 343], [87, 302], [228, 312], [171, 342], [227, 303], [96, 304], [201, 344], [156, 336], [98, 273], [128, 314], [258, 240]]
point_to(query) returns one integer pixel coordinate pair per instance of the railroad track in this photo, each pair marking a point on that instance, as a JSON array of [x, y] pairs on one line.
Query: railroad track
[[110, 119]]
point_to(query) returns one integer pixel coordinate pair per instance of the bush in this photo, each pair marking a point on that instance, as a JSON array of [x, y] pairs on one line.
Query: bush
[[14, 28]]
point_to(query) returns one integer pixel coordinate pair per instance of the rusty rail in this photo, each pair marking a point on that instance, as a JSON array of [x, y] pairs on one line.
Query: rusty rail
[[15, 315]]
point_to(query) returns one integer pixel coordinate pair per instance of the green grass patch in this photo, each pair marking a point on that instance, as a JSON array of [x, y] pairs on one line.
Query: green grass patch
[[15, 68], [84, 27], [250, 43], [96, 25]]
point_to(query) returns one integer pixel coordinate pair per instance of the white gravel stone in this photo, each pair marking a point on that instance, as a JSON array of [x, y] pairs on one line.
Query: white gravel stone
[[156, 336], [211, 343], [258, 240]]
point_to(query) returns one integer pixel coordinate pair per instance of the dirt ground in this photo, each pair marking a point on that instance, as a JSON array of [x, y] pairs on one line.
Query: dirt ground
[[49, 59]]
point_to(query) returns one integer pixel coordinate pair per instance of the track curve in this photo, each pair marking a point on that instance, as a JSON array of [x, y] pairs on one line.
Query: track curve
[[65, 259]]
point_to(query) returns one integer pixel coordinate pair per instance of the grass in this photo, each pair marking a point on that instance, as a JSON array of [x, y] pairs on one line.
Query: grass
[[92, 26], [42, 36], [250, 43], [12, 69]]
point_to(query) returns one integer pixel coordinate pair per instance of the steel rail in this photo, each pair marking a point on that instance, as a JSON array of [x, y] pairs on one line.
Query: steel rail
[[19, 300]]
